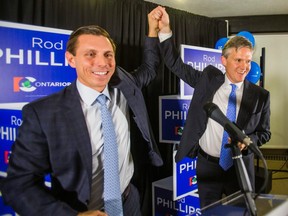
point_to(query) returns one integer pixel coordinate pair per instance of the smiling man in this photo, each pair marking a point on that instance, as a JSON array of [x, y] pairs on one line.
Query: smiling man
[[202, 136], [61, 134], [93, 57]]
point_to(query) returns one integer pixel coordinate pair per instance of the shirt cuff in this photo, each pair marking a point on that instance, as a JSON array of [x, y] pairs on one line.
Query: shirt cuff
[[164, 36]]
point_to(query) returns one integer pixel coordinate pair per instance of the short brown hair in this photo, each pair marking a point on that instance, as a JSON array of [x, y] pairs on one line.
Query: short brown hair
[[236, 42], [89, 30]]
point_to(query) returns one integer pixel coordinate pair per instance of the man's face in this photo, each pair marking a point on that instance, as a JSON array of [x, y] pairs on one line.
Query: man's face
[[237, 64], [94, 61]]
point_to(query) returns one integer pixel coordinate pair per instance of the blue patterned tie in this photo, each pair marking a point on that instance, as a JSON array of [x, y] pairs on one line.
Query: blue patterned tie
[[226, 155], [112, 193]]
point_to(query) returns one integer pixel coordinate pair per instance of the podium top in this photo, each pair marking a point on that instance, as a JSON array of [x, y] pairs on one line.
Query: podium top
[[266, 205]]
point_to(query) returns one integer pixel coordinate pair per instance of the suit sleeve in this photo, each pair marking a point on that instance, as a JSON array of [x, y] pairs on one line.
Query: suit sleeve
[[23, 188], [176, 65], [147, 71], [262, 133]]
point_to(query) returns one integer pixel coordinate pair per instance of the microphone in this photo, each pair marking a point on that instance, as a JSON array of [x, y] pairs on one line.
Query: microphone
[[234, 132]]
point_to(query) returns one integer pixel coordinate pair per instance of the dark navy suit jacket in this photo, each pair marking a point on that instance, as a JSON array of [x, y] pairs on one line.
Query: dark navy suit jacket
[[253, 116], [54, 139]]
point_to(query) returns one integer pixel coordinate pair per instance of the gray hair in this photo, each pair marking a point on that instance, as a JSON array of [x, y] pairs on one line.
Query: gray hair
[[236, 42]]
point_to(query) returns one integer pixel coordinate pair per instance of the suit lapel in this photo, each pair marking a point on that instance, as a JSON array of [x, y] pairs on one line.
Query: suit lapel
[[134, 99], [127, 88], [247, 105], [214, 85], [75, 117]]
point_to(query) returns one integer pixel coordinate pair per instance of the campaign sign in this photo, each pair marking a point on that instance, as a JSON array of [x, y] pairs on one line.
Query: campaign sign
[[184, 177], [198, 58], [33, 63], [172, 113], [5, 210], [164, 205], [10, 120]]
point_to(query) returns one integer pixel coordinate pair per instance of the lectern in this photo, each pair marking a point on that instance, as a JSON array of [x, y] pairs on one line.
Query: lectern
[[234, 205]]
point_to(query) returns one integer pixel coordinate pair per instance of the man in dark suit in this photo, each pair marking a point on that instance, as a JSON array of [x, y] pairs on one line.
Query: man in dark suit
[[61, 134], [202, 136]]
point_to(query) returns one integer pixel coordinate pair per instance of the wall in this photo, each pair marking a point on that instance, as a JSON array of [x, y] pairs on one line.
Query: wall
[[276, 77]]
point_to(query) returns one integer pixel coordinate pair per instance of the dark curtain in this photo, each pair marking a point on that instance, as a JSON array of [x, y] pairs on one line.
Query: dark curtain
[[126, 21]]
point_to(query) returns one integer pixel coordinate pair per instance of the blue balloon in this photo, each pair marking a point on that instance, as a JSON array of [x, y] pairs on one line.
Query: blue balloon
[[221, 42], [254, 73], [248, 36]]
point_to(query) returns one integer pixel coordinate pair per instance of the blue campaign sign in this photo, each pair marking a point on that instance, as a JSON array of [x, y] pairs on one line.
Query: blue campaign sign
[[164, 204], [198, 58], [6, 210], [172, 113], [33, 63], [10, 120], [184, 178]]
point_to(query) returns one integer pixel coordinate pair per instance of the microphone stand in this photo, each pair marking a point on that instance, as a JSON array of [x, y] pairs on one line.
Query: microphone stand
[[243, 178]]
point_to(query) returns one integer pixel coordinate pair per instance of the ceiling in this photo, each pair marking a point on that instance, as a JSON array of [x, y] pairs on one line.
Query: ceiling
[[227, 8]]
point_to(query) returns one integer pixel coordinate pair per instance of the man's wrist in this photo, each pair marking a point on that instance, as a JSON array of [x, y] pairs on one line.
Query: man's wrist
[[153, 33], [164, 35]]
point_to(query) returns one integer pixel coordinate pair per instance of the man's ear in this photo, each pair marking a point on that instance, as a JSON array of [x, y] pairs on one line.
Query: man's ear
[[223, 60], [70, 59]]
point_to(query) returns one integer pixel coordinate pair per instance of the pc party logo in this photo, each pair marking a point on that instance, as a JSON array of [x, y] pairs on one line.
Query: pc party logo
[[178, 130], [193, 180], [24, 84]]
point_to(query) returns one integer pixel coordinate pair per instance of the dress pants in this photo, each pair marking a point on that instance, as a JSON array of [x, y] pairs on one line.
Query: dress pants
[[131, 203], [213, 181]]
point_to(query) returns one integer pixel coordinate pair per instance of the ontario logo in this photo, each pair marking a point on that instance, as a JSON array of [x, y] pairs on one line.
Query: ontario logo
[[23, 84], [192, 180], [178, 130], [6, 156]]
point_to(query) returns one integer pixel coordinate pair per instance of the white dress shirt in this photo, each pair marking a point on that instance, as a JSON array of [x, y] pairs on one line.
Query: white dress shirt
[[211, 140], [118, 106]]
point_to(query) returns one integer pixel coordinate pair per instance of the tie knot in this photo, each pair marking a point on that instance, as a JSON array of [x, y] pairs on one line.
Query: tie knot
[[234, 87], [102, 99]]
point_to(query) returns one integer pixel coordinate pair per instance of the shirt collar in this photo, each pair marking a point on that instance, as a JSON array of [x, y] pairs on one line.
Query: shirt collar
[[89, 95], [228, 82]]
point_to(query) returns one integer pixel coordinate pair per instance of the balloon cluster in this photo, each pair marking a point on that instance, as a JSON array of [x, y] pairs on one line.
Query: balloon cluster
[[255, 71]]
